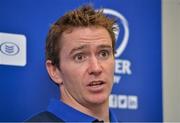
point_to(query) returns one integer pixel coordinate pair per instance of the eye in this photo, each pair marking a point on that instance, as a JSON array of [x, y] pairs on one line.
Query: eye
[[80, 57], [104, 54]]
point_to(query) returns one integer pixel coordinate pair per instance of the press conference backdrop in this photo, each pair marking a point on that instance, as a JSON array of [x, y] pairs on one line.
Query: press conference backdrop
[[25, 88]]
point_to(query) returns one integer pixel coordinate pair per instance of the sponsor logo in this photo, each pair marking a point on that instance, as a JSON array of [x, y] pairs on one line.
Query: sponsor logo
[[9, 48], [12, 49], [123, 101]]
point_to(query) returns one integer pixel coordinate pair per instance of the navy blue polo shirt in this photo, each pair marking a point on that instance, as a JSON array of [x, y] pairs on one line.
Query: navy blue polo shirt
[[69, 114]]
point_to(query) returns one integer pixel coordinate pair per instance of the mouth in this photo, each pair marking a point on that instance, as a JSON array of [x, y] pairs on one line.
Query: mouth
[[96, 83], [96, 86]]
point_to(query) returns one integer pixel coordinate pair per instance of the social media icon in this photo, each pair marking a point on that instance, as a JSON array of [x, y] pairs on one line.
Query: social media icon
[[122, 101], [132, 102]]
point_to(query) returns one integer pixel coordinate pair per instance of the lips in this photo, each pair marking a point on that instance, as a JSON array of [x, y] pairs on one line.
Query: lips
[[96, 86], [95, 83]]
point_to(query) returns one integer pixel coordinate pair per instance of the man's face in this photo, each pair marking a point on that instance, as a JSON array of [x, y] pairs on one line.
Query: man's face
[[87, 65]]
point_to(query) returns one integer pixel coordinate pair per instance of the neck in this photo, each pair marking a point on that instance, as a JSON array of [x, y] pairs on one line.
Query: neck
[[99, 111]]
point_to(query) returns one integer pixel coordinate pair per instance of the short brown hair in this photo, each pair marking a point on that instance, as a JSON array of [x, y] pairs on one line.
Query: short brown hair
[[81, 17]]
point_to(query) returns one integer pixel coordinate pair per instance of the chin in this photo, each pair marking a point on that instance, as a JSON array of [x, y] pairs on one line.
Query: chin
[[99, 99]]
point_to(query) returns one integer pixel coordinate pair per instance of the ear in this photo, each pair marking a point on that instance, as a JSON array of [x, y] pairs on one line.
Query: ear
[[54, 72]]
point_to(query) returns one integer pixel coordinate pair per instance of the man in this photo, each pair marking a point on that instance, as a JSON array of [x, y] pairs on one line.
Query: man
[[80, 60]]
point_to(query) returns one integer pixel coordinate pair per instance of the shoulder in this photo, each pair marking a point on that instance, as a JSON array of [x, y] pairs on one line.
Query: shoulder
[[44, 117]]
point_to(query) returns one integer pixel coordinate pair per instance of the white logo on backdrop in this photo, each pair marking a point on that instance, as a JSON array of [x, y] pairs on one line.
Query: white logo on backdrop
[[123, 101], [122, 66], [12, 49], [9, 48]]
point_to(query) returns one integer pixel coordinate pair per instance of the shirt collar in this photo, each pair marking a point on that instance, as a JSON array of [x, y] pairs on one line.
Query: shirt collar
[[69, 114]]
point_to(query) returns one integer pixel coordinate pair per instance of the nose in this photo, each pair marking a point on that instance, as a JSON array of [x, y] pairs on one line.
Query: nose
[[95, 67]]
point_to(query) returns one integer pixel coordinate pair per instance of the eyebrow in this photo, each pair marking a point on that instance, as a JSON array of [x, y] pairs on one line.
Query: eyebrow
[[78, 48], [85, 46], [105, 46]]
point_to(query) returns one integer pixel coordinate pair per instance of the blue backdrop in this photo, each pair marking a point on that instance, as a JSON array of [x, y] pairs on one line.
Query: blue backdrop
[[26, 89]]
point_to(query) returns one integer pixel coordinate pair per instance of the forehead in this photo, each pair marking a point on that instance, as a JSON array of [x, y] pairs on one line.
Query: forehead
[[85, 35]]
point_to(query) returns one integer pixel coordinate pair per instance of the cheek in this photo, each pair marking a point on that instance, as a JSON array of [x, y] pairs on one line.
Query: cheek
[[73, 75], [76, 70], [110, 66]]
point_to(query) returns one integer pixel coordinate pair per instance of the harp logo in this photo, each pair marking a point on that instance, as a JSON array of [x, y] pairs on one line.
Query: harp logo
[[122, 66], [122, 32]]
